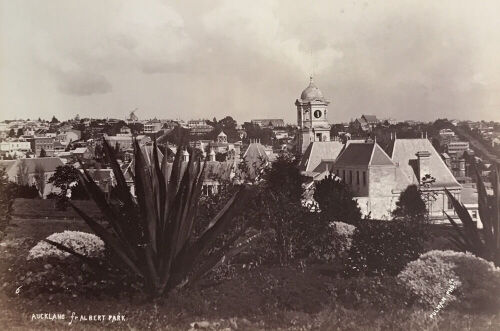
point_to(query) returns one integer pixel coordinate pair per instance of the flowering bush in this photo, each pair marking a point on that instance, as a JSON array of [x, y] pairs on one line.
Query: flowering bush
[[84, 243], [344, 232], [453, 275]]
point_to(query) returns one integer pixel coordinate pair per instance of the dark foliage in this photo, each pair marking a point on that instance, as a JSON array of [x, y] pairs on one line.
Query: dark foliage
[[151, 235], [6, 201], [23, 191], [255, 132], [284, 177], [382, 293], [485, 242], [336, 201], [410, 205], [384, 247]]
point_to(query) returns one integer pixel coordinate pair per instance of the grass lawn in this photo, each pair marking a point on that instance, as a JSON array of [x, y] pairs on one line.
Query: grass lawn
[[288, 298]]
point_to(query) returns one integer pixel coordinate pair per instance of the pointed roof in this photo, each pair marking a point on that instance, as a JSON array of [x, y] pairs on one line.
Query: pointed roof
[[363, 154], [319, 151], [256, 158], [379, 157], [404, 154]]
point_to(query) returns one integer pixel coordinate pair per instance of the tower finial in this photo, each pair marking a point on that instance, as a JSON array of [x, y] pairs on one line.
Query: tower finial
[[311, 79]]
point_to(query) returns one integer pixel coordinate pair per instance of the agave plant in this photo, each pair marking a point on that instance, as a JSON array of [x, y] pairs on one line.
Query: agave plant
[[483, 242], [151, 234]]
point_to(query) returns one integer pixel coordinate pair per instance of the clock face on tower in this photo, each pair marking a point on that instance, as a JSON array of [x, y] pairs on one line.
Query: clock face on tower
[[317, 113]]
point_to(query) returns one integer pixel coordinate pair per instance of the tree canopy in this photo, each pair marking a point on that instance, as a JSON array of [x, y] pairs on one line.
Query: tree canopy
[[410, 205], [54, 120], [335, 201]]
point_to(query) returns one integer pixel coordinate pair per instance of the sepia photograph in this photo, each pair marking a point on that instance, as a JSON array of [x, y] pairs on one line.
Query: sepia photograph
[[233, 165]]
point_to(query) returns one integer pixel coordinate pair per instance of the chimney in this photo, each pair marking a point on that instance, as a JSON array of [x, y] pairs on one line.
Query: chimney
[[211, 155], [185, 156], [423, 164]]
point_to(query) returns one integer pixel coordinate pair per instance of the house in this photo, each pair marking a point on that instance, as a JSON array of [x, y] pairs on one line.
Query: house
[[319, 157], [81, 153], [221, 145], [469, 197], [457, 148], [152, 126], [14, 145], [377, 178], [215, 175], [269, 123], [255, 159], [42, 142], [104, 178], [67, 136], [125, 142], [418, 158], [28, 171], [366, 122], [373, 178]]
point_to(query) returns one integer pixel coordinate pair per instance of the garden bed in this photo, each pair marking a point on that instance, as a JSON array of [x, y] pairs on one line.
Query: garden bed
[[299, 298]]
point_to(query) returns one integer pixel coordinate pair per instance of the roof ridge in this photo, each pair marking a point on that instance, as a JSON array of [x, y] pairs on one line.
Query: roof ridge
[[371, 155]]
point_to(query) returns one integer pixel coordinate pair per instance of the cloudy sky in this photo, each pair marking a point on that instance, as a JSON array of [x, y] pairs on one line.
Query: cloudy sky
[[249, 59]]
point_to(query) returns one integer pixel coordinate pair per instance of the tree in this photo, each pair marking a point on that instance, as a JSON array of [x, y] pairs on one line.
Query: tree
[[284, 176], [12, 133], [54, 120], [43, 153], [6, 200], [20, 132], [63, 177], [40, 178], [335, 201], [22, 173], [410, 205]]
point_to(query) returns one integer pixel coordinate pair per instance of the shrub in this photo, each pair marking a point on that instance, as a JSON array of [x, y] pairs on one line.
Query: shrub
[[410, 205], [336, 201], [472, 280], [6, 201], [332, 242], [81, 242], [382, 293], [344, 232], [384, 247]]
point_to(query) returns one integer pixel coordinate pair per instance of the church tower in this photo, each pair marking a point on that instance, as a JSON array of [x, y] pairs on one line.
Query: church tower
[[312, 117]]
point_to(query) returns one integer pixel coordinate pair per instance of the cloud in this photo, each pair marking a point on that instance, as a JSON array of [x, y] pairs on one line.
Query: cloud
[[257, 28], [151, 35], [405, 59], [83, 83]]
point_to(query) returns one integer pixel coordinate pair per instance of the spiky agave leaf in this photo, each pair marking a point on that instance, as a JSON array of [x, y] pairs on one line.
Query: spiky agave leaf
[[485, 242], [152, 233]]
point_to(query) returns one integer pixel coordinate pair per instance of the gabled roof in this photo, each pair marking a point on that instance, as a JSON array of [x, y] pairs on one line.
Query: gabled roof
[[7, 164], [255, 157], [317, 152], [363, 154], [404, 153], [79, 150], [379, 157], [48, 164], [370, 118], [355, 154]]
